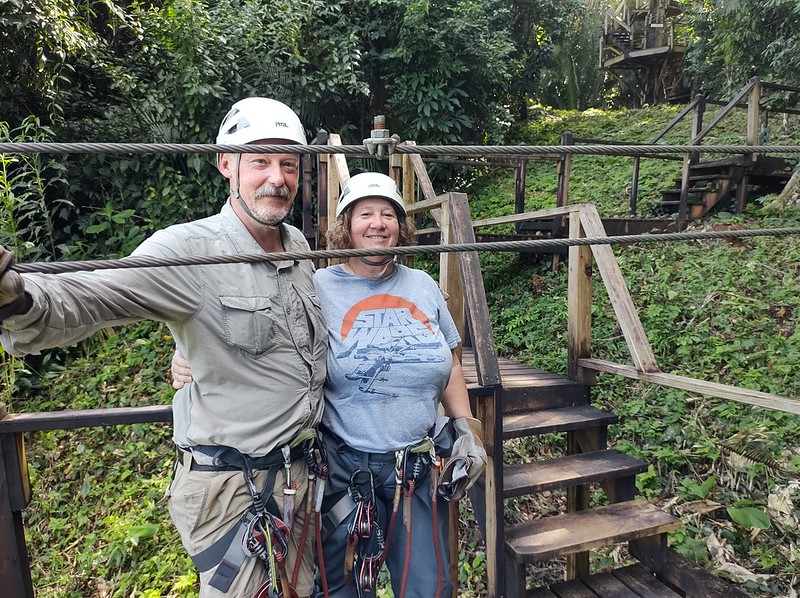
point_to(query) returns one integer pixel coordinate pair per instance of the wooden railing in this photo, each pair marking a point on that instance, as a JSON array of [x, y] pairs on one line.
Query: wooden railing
[[585, 222]]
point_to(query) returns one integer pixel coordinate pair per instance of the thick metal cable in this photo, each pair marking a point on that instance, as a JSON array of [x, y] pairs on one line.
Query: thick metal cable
[[499, 246], [424, 150]]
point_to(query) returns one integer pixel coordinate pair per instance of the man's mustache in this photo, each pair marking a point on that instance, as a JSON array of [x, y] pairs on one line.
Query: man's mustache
[[272, 191]]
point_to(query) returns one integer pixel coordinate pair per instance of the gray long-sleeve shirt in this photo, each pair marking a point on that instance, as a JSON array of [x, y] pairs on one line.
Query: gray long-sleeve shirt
[[253, 333]]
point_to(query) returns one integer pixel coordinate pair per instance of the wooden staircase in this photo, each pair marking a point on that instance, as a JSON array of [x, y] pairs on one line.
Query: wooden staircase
[[537, 403], [716, 182]]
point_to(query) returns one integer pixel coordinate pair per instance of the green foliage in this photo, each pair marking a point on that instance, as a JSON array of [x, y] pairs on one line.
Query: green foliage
[[31, 194], [734, 41], [454, 90]]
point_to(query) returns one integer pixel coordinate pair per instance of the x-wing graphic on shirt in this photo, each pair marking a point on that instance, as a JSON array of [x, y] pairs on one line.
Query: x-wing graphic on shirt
[[377, 359]]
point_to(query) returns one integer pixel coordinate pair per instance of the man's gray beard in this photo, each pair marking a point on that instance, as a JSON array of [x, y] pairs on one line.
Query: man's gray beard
[[270, 215]]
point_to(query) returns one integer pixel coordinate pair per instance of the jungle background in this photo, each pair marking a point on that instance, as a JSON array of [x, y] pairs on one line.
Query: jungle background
[[442, 71]]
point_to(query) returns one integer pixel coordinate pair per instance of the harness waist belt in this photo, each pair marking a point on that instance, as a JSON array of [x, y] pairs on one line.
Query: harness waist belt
[[206, 458]]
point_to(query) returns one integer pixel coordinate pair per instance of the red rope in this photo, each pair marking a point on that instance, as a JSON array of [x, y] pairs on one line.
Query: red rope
[[407, 565], [434, 517], [320, 558]]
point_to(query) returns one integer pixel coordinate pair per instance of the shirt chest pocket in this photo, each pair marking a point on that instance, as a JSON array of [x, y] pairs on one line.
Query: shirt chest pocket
[[248, 324]]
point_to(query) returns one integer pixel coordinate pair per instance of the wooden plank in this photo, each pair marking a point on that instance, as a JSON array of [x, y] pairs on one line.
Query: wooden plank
[[409, 181], [568, 471], [425, 185], [339, 162], [571, 589], [69, 419], [641, 581], [474, 294], [702, 387], [425, 205], [579, 299], [693, 580], [556, 420], [650, 551], [540, 593], [12, 448], [15, 574], [322, 203], [493, 494], [526, 216], [550, 537], [516, 400], [620, 297], [450, 277], [608, 586]]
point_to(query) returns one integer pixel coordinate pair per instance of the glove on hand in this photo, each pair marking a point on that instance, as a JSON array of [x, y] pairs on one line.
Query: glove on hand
[[11, 284], [467, 460]]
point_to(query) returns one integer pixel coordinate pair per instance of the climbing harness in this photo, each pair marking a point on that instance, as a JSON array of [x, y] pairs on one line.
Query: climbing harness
[[260, 533], [367, 545]]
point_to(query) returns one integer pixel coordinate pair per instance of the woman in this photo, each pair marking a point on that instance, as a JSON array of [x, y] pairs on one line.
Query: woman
[[391, 362]]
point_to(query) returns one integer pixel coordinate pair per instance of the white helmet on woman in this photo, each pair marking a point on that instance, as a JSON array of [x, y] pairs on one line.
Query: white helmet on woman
[[252, 119], [369, 184]]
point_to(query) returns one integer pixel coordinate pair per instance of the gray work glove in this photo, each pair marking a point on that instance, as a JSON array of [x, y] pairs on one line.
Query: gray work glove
[[467, 460], [12, 287]]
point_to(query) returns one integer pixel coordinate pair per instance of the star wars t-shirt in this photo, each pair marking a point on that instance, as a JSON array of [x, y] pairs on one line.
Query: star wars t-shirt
[[389, 356]]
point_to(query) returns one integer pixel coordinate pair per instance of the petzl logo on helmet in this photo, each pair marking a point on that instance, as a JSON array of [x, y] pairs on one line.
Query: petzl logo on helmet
[[371, 185], [280, 124]]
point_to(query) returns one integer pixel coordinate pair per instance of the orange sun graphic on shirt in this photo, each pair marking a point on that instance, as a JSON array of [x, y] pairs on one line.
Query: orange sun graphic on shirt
[[383, 301]]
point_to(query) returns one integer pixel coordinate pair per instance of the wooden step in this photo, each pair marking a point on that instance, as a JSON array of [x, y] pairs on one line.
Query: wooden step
[[548, 421], [691, 191], [718, 164], [630, 582], [551, 537], [568, 471]]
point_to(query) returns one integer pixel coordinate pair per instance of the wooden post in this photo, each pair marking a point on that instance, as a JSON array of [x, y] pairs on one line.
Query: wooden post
[[15, 573], [396, 168], [308, 215], [634, 198], [520, 172], [322, 199], [490, 409], [579, 300], [753, 121], [690, 160]]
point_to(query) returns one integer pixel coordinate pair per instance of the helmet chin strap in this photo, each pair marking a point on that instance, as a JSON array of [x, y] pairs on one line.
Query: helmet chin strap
[[238, 197], [383, 262]]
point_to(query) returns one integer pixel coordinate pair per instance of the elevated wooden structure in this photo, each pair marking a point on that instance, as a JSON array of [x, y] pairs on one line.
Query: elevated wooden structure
[[645, 39]]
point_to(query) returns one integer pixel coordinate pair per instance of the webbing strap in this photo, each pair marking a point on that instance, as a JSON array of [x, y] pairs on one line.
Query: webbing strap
[[231, 561], [211, 556], [336, 514]]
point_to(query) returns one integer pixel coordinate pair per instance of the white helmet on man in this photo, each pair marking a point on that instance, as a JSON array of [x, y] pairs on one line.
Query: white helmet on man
[[369, 184], [252, 119]]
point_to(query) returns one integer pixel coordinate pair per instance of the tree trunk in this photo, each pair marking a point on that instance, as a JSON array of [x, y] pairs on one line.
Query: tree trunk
[[790, 193]]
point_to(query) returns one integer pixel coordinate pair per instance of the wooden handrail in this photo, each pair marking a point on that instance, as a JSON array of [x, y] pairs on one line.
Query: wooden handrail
[[702, 387], [723, 112], [69, 419], [618, 293]]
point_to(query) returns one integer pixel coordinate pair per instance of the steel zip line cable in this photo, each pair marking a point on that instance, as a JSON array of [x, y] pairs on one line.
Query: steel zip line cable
[[423, 150], [499, 246]]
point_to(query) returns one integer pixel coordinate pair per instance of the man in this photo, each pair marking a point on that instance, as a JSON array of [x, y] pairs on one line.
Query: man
[[257, 344]]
